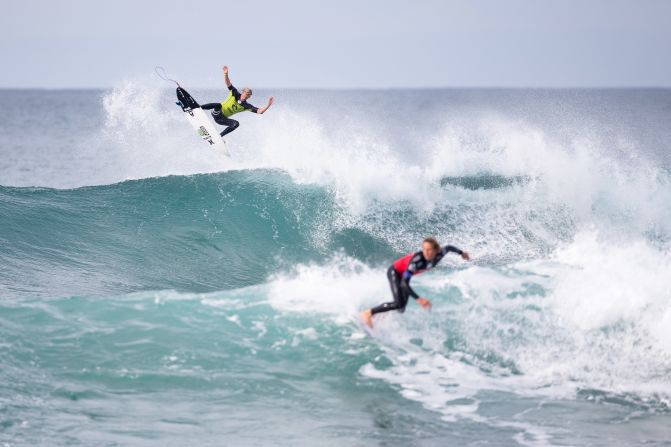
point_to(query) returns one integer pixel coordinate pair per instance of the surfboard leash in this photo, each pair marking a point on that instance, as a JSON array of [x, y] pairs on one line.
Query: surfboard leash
[[160, 72]]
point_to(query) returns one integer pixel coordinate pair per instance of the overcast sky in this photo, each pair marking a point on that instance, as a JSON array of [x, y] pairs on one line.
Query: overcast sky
[[338, 44]]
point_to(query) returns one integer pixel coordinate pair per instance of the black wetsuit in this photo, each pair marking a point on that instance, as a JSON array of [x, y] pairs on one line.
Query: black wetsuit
[[221, 118], [401, 271]]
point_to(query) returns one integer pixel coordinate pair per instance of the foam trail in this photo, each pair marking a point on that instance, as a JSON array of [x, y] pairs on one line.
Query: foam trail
[[541, 329]]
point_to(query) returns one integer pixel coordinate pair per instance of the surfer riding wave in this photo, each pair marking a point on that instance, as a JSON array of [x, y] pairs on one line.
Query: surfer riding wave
[[402, 270]]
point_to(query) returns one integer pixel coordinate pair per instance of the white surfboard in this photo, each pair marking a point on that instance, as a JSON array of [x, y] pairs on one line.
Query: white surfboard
[[356, 319], [200, 121]]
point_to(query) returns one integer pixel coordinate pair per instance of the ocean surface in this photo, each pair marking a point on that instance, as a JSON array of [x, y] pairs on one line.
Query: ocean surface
[[155, 292]]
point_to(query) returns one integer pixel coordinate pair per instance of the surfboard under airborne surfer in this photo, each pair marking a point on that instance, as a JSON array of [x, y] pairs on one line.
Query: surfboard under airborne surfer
[[235, 102], [402, 270]]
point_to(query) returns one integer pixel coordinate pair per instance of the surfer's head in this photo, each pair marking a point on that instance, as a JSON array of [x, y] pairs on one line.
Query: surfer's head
[[430, 248], [246, 94]]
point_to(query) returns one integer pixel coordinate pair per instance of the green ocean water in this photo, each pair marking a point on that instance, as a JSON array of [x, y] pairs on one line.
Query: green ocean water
[[153, 292]]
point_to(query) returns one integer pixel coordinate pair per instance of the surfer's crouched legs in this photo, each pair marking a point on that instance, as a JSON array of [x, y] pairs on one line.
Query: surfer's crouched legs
[[399, 293], [232, 124], [219, 117]]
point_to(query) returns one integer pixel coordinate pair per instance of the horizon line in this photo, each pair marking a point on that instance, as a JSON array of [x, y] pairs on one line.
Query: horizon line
[[454, 87]]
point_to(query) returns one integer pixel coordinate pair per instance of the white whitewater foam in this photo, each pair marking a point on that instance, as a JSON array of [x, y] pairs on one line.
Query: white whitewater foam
[[594, 317]]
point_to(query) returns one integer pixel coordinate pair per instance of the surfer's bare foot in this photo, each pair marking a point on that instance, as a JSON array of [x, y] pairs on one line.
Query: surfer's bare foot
[[367, 318]]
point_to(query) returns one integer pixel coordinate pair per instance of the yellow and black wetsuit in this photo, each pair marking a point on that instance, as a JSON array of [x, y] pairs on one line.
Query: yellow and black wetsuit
[[221, 111]]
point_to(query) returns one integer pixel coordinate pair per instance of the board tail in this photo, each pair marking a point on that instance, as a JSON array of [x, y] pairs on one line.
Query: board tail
[[363, 327]]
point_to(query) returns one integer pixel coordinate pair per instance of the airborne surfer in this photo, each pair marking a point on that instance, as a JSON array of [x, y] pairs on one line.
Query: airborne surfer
[[236, 102], [402, 270]]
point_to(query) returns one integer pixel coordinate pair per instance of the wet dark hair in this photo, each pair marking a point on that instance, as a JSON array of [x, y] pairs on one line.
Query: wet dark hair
[[434, 243]]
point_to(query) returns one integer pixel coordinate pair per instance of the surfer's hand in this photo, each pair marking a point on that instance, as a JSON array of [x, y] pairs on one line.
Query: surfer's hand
[[465, 256], [225, 70], [270, 101], [426, 304]]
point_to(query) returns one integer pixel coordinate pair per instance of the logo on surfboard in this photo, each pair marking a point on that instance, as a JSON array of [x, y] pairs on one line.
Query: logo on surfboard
[[205, 134]]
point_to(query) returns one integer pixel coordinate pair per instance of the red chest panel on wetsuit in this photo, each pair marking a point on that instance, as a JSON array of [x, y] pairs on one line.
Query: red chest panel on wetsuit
[[401, 264]]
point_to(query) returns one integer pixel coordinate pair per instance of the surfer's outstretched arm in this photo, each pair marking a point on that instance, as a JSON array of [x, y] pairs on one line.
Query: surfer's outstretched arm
[[228, 81], [263, 109], [451, 248]]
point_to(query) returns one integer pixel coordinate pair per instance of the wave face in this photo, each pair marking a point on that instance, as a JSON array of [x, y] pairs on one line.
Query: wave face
[[139, 270], [197, 233]]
